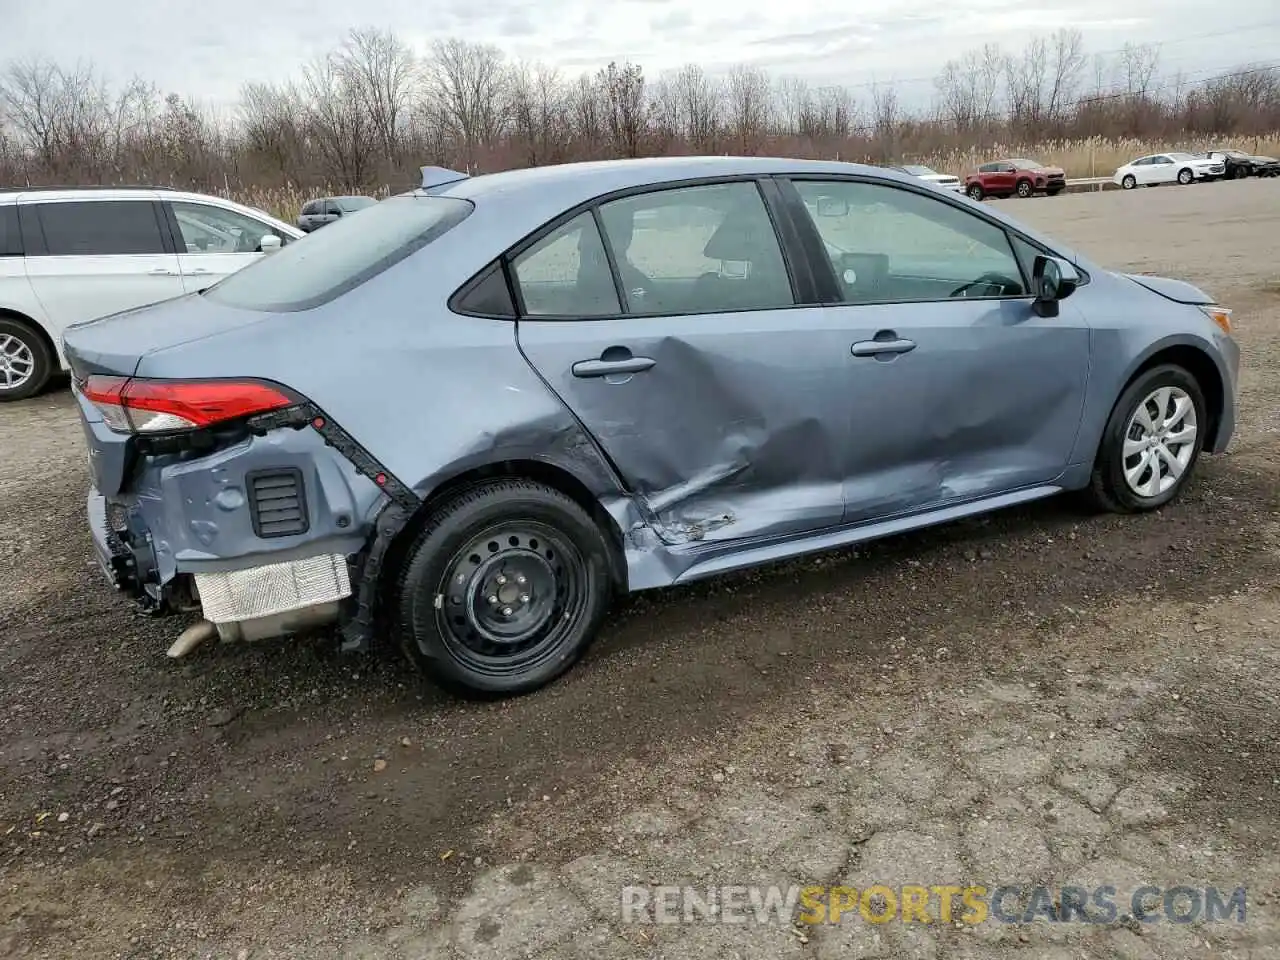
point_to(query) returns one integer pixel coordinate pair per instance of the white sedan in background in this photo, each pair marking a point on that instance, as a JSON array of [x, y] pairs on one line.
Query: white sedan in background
[[943, 180], [1181, 168]]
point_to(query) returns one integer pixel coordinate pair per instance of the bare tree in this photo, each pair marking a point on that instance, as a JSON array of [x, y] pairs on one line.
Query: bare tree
[[967, 87], [749, 106], [624, 98], [701, 105], [337, 123], [1067, 63], [467, 80], [536, 110], [378, 69]]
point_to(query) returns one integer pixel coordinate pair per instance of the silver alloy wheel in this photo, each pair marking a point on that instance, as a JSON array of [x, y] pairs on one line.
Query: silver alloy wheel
[[17, 362], [1159, 441]]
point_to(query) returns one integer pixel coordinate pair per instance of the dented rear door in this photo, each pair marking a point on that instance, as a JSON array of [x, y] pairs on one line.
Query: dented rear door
[[727, 426]]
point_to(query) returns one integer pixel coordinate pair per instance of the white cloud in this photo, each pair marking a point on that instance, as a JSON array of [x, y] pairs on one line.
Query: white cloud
[[208, 50]]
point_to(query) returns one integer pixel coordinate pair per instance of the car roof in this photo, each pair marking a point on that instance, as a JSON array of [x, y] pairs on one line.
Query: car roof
[[588, 179]]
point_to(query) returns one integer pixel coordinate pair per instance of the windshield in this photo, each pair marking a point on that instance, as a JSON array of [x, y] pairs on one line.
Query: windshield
[[1025, 164], [350, 204], [1183, 156], [918, 171], [343, 255]]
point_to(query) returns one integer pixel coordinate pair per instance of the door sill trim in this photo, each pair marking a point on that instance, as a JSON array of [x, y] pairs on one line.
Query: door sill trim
[[723, 561]]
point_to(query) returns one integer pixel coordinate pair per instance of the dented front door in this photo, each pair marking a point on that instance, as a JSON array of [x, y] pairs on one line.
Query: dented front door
[[971, 398], [724, 426]]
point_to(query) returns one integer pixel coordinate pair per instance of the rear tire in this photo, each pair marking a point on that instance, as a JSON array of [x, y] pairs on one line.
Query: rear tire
[[1138, 467], [25, 362], [503, 589]]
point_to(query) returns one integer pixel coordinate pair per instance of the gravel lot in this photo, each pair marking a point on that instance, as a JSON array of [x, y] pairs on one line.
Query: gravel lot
[[1040, 696]]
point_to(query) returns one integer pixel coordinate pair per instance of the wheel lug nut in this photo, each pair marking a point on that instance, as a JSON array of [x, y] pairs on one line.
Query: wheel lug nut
[[506, 611], [501, 579], [524, 598], [493, 599], [520, 579]]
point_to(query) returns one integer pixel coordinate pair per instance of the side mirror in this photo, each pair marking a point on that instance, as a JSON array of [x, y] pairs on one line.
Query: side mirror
[[270, 243], [1052, 279]]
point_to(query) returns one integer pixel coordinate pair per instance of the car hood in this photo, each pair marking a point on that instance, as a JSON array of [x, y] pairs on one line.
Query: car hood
[[1049, 171], [116, 344], [1178, 291]]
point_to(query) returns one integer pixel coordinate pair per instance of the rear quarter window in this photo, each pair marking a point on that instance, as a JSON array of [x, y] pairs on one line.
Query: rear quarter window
[[345, 254]]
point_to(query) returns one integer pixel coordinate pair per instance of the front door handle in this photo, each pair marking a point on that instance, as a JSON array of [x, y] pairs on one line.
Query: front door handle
[[607, 368], [881, 346], [199, 270], [163, 272]]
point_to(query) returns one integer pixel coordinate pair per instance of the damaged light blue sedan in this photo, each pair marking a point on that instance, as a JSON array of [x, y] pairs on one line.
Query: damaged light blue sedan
[[467, 417]]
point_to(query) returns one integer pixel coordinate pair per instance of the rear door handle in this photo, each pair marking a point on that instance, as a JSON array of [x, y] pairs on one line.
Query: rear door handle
[[163, 272], [876, 348], [605, 368], [199, 270]]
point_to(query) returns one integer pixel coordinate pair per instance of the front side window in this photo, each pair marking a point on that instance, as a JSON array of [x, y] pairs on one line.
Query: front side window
[[209, 229], [703, 249], [566, 273], [887, 244], [342, 256], [86, 228]]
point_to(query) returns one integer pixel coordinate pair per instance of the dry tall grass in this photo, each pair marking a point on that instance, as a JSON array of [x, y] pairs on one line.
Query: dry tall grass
[[1094, 157]]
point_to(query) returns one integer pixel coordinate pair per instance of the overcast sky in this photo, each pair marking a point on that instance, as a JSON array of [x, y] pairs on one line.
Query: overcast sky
[[207, 50]]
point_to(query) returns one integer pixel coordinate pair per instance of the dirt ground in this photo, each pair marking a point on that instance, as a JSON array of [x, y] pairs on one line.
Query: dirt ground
[[1036, 697]]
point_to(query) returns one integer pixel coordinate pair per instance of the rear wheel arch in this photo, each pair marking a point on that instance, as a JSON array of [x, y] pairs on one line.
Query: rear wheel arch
[[36, 327], [552, 475]]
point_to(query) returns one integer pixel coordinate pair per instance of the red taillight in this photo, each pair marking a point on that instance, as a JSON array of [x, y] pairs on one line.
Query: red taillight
[[156, 406]]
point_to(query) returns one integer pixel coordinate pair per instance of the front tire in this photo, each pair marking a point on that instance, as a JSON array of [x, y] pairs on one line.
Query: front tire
[[25, 363], [1129, 181], [1185, 176], [975, 192], [503, 589], [1024, 188], [1151, 443]]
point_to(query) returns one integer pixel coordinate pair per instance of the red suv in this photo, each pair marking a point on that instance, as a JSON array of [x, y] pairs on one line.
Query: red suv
[[1004, 178]]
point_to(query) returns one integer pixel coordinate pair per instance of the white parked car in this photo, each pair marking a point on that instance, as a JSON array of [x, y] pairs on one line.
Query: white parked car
[[943, 180], [75, 254], [1168, 168]]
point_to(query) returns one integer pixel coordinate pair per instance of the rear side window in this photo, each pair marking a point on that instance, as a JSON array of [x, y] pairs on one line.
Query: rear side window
[[343, 255], [10, 238], [100, 228]]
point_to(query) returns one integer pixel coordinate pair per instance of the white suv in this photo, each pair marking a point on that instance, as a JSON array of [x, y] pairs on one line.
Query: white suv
[[75, 254]]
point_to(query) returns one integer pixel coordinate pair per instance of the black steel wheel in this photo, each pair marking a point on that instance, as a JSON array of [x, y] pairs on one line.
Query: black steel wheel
[[503, 589]]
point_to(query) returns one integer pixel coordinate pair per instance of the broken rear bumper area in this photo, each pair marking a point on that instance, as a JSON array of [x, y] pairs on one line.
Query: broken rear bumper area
[[267, 536]]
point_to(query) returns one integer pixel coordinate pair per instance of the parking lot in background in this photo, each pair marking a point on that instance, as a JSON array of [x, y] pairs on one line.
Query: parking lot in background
[[1038, 697]]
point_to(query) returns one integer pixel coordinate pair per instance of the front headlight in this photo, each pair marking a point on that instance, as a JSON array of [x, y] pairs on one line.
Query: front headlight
[[1219, 315]]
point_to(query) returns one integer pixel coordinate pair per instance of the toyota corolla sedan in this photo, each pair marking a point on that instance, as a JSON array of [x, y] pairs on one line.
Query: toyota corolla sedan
[[469, 417]]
